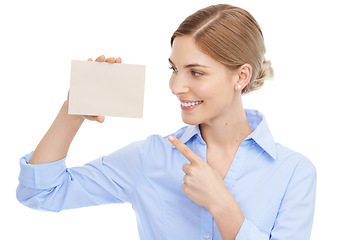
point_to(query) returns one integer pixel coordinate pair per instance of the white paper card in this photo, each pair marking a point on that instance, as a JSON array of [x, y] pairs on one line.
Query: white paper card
[[106, 89]]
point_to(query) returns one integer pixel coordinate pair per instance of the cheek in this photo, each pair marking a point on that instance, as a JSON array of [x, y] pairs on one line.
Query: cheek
[[206, 90], [213, 91]]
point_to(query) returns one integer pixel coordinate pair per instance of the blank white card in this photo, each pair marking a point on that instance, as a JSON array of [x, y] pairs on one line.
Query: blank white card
[[106, 89]]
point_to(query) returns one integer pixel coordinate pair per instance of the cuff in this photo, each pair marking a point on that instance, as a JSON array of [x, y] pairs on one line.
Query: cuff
[[249, 231], [41, 176]]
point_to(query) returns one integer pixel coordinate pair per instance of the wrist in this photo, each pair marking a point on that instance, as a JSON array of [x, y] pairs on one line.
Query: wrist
[[65, 111], [228, 217], [227, 207], [221, 205]]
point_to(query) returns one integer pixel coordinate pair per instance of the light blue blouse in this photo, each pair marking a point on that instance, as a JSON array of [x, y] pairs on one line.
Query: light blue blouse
[[273, 185]]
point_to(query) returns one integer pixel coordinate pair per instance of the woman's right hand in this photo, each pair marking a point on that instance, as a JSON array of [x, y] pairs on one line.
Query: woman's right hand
[[99, 119]]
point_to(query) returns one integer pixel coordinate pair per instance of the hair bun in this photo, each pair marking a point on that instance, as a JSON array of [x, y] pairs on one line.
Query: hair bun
[[266, 71]]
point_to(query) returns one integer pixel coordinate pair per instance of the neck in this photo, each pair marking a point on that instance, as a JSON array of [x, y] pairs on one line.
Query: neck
[[227, 131]]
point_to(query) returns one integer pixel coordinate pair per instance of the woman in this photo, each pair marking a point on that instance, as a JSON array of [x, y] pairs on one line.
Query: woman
[[220, 177]]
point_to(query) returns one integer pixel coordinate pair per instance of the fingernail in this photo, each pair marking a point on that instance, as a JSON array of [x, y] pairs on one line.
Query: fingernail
[[171, 138]]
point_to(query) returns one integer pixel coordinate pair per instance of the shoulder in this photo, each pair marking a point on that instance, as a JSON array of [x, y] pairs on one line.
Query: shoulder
[[153, 143], [298, 162], [158, 152], [161, 142]]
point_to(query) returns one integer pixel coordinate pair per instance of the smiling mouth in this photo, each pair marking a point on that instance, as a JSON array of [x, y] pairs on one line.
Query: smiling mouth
[[189, 104]]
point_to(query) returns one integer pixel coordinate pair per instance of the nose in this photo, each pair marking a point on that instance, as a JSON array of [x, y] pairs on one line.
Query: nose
[[178, 84]]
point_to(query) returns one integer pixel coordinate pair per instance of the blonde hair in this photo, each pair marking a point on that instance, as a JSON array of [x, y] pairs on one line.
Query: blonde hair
[[231, 36]]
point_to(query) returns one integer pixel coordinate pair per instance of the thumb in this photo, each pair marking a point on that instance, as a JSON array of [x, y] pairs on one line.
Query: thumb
[[100, 119]]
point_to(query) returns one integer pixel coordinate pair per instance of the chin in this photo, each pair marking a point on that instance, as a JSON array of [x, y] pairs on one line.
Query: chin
[[191, 120]]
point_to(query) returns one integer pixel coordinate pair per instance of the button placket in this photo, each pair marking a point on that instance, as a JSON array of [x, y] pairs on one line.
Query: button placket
[[206, 224]]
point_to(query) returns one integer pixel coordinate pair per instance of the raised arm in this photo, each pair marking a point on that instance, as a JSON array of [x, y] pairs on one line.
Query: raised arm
[[56, 142], [45, 183]]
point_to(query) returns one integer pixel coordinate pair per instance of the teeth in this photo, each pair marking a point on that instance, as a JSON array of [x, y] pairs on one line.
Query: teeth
[[188, 104]]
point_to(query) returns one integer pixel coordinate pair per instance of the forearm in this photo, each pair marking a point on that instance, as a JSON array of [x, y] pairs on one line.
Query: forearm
[[56, 142], [228, 217]]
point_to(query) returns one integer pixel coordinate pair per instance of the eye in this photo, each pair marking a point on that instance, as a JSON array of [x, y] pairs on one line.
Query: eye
[[196, 74], [172, 68]]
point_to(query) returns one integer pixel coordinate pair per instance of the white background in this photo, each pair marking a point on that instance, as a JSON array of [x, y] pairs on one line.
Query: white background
[[312, 106]]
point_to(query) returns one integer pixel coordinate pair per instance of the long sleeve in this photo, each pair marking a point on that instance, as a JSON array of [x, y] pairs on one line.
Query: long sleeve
[[295, 216], [107, 179]]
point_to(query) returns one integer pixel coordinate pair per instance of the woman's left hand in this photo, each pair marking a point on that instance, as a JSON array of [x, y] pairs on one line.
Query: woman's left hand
[[202, 184]]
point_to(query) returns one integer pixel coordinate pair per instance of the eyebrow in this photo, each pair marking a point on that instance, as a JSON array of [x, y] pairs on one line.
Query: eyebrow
[[190, 65]]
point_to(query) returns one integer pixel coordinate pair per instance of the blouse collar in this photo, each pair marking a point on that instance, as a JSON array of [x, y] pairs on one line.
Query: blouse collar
[[261, 133]]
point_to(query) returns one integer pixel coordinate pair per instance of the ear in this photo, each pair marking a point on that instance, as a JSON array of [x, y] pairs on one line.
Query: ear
[[243, 75]]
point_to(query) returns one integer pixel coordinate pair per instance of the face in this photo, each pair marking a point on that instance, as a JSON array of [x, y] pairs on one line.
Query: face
[[205, 87]]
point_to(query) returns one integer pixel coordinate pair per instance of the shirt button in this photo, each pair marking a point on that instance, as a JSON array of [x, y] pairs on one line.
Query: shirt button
[[206, 236]]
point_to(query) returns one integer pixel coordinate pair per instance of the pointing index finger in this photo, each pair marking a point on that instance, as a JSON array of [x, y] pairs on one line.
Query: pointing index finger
[[184, 150]]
